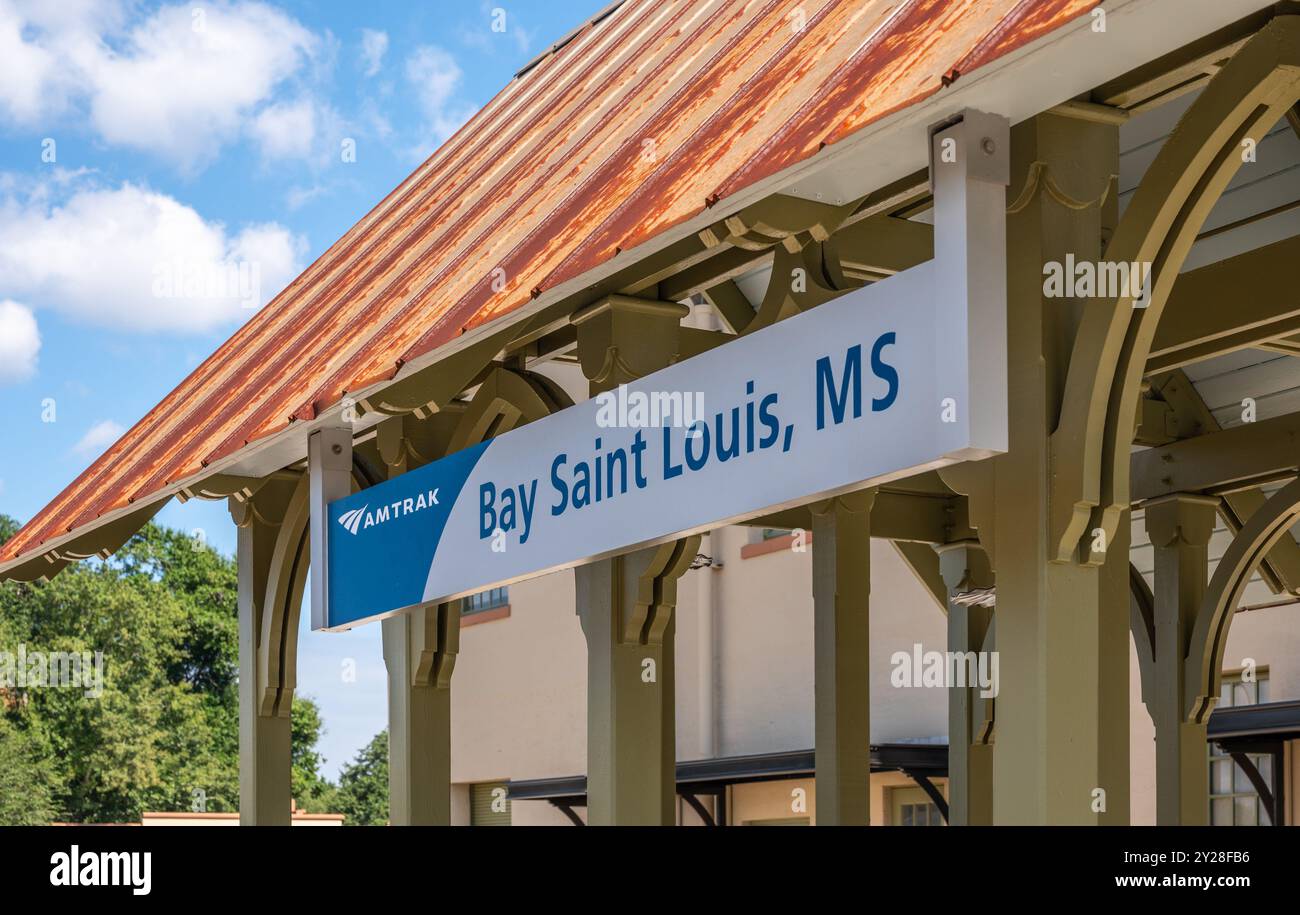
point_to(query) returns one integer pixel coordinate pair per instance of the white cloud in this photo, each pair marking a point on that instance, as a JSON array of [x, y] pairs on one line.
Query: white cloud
[[305, 128], [180, 83], [286, 131], [435, 75], [40, 46], [298, 197], [98, 437], [436, 78], [20, 341], [132, 258], [184, 90], [374, 45], [28, 72]]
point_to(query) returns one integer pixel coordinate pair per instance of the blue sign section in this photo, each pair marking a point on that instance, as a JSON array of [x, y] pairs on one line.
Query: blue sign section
[[382, 539]]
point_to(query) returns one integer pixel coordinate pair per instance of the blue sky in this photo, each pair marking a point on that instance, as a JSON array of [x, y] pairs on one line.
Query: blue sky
[[149, 151]]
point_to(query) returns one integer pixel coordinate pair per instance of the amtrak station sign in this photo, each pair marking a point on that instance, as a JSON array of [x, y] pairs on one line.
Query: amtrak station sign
[[900, 376]]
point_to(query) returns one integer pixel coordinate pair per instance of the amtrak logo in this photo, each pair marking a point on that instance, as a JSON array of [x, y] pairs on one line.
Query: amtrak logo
[[359, 518], [352, 520]]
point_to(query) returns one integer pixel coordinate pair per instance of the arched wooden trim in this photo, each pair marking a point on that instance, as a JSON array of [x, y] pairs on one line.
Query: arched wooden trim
[[1090, 447], [1269, 524], [277, 647], [1142, 623], [429, 390], [286, 581], [656, 592], [781, 219], [785, 297], [506, 399]]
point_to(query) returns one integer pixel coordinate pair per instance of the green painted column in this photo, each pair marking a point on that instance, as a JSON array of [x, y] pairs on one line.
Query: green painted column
[[965, 568], [625, 606], [420, 649], [841, 551], [1050, 737], [265, 797], [1180, 527]]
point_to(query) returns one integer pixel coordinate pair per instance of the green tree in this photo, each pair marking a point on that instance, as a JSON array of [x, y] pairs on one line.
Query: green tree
[[311, 790], [363, 785], [27, 780], [164, 732]]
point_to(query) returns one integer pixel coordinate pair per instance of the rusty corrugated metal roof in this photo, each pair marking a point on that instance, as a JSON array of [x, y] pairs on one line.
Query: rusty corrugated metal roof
[[551, 179]]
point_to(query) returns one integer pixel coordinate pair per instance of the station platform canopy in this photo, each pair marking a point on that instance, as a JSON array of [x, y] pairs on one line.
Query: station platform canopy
[[623, 142]]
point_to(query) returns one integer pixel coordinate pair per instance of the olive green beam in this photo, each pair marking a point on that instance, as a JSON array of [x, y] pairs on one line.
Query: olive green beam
[[1189, 417], [922, 562], [1181, 71], [1180, 526], [731, 305], [1283, 346], [1232, 458], [841, 651], [1050, 740], [965, 567], [1265, 305], [895, 516]]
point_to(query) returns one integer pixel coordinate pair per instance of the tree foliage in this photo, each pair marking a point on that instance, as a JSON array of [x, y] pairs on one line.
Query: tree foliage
[[26, 779], [363, 785], [164, 734]]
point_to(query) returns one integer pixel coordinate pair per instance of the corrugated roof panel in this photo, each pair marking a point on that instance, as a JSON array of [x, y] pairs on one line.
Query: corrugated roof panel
[[551, 179]]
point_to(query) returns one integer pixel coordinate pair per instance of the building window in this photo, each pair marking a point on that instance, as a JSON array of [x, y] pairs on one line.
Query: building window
[[771, 533], [489, 804], [919, 815], [913, 807], [1233, 800], [486, 600]]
